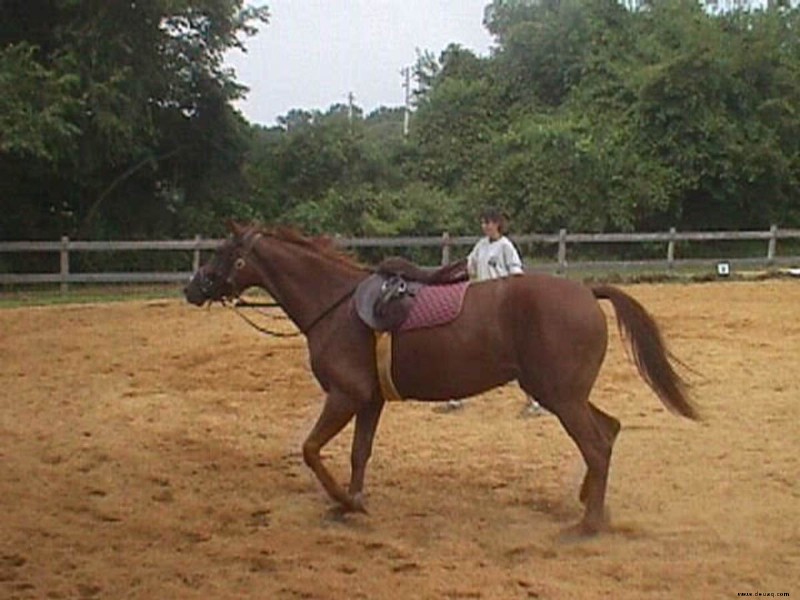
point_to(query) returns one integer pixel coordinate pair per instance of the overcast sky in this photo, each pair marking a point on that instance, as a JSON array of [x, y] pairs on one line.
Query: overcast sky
[[314, 52]]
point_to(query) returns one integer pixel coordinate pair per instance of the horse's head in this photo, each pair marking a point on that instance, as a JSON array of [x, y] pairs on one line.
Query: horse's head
[[228, 273]]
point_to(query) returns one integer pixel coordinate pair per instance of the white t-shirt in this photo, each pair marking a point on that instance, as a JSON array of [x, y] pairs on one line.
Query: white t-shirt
[[492, 259]]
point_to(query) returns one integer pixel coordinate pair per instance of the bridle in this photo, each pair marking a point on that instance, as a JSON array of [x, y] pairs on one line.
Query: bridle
[[236, 307], [236, 303]]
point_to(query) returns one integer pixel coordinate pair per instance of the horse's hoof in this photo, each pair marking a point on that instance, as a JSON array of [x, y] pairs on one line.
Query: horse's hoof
[[580, 532], [357, 504]]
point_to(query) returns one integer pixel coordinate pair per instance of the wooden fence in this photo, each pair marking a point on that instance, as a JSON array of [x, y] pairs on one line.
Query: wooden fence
[[560, 263]]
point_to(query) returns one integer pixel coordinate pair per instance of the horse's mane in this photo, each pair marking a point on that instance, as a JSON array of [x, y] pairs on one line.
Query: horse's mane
[[323, 245]]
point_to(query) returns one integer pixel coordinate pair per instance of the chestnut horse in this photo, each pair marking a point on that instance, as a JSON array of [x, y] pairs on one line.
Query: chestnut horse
[[545, 332]]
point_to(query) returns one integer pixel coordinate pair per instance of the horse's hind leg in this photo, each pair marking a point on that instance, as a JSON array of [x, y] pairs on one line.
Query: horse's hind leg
[[366, 423], [595, 447], [608, 424], [610, 427], [336, 413]]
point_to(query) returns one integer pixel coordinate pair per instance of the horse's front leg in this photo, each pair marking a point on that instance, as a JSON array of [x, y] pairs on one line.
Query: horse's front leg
[[336, 413], [366, 424]]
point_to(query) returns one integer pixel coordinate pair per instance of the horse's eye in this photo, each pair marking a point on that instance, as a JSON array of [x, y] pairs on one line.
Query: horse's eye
[[239, 264]]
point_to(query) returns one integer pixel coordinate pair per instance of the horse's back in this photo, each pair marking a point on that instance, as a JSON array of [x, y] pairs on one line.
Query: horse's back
[[505, 326]]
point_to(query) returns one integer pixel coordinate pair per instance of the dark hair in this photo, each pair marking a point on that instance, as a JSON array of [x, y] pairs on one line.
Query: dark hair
[[494, 215]]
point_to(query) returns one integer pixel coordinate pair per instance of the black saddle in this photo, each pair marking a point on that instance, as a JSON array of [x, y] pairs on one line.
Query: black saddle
[[384, 299]]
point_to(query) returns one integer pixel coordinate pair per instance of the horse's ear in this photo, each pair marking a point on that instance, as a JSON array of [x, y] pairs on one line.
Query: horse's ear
[[234, 227]]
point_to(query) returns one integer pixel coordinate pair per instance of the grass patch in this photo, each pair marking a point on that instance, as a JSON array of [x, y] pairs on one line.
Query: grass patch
[[51, 295]]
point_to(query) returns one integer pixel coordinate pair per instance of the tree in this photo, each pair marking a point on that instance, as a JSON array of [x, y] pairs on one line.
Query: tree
[[138, 112], [593, 116]]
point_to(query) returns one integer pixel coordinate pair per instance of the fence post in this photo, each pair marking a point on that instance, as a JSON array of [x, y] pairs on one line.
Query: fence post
[[671, 249], [562, 251], [196, 255], [64, 271], [773, 241], [446, 248]]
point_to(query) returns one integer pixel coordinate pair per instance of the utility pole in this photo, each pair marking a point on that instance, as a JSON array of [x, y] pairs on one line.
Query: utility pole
[[350, 100], [406, 73]]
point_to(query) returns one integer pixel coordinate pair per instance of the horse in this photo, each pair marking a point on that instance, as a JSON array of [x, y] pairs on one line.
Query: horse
[[546, 332]]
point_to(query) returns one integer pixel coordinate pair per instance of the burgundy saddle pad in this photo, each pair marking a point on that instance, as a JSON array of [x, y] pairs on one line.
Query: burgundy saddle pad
[[435, 305]]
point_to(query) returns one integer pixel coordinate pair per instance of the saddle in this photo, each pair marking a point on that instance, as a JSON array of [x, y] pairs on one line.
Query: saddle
[[385, 299]]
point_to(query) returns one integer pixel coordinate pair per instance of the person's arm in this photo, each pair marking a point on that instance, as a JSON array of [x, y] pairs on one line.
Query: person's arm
[[472, 262], [512, 259]]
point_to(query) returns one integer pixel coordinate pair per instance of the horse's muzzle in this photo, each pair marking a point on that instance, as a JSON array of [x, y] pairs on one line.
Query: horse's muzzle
[[196, 291]]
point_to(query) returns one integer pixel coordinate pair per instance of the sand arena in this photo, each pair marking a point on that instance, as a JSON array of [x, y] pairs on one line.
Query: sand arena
[[138, 460]]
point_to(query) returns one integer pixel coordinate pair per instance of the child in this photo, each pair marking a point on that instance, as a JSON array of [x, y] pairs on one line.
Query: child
[[492, 257]]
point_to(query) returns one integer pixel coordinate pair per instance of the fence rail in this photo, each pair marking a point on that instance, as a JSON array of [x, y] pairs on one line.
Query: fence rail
[[445, 243]]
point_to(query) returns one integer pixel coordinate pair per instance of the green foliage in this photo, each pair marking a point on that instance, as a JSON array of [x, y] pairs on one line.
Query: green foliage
[[342, 173], [606, 119], [449, 155], [123, 131], [586, 115], [365, 211], [35, 106]]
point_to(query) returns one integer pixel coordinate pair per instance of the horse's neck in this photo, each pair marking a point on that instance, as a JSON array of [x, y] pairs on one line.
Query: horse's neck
[[305, 283]]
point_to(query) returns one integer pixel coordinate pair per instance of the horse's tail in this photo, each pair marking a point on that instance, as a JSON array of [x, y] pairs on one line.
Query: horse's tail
[[650, 354]]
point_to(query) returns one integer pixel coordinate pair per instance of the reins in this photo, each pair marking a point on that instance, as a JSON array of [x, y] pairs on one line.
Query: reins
[[236, 304], [235, 307]]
